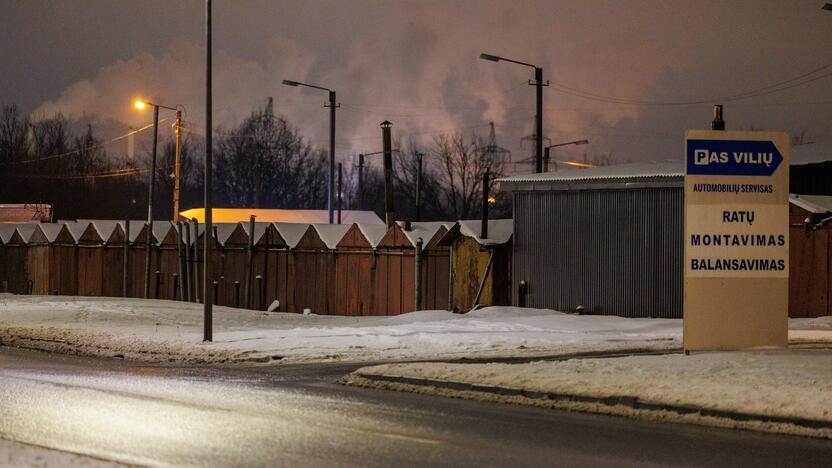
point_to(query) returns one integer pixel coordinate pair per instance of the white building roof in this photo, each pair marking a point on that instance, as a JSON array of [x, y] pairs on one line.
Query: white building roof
[[812, 203], [645, 170], [499, 231]]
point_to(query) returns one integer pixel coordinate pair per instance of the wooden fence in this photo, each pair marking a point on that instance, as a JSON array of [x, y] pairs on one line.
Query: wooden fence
[[327, 269]]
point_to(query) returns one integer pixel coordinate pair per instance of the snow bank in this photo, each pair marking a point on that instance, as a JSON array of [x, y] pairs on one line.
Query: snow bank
[[787, 383], [18, 454], [155, 330]]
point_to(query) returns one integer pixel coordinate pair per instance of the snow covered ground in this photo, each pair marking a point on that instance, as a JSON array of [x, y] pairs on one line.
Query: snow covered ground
[[14, 454], [791, 383], [154, 330]]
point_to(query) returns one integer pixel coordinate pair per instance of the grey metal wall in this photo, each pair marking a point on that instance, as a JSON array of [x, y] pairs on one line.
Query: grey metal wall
[[612, 251]]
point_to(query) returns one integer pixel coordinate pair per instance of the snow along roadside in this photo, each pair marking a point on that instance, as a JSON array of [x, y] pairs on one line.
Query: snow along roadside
[[19, 454], [168, 331], [780, 391]]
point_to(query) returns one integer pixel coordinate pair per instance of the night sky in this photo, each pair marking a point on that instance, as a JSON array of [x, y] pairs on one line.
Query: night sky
[[416, 64]]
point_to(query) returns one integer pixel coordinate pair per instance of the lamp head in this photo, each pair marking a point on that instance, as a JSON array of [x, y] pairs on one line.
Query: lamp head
[[490, 58], [582, 142], [140, 104], [386, 124], [291, 83]]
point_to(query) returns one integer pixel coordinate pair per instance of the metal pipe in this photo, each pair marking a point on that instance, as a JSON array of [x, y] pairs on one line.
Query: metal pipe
[[126, 264], [208, 326], [419, 186], [180, 275], [538, 119], [197, 262], [484, 224], [340, 191], [249, 261], [187, 292], [418, 292], [158, 284], [360, 181], [333, 104], [237, 294], [389, 210], [451, 278], [150, 200]]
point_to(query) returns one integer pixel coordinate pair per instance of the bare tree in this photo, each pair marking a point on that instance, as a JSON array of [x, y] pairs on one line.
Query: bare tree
[[265, 162], [461, 166]]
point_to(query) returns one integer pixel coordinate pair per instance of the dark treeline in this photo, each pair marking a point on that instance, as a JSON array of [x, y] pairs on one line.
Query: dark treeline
[[263, 162]]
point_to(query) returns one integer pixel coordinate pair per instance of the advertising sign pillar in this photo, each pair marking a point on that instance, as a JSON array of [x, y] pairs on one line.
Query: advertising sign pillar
[[736, 240]]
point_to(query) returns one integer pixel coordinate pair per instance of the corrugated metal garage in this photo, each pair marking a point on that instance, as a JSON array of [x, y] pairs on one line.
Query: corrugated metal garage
[[608, 240]]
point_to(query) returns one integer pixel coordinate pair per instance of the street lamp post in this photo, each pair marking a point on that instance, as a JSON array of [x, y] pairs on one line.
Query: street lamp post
[[208, 195], [333, 104], [546, 151], [141, 104], [539, 84]]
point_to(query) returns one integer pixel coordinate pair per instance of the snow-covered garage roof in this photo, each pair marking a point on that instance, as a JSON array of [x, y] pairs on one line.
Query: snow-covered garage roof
[[663, 173]]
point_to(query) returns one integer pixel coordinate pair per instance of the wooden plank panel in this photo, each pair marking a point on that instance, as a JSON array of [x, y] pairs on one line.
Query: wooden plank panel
[[408, 284]]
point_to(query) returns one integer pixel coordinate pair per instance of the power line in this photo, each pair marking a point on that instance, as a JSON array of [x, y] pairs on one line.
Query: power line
[[799, 80], [79, 150]]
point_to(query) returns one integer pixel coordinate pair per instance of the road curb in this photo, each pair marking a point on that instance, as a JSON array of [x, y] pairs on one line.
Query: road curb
[[632, 402]]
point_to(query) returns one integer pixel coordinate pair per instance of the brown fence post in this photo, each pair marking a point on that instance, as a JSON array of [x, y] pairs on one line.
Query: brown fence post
[[261, 286], [158, 282], [175, 286]]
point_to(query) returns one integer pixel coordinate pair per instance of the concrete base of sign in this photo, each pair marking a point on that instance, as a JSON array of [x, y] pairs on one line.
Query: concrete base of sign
[[750, 314]]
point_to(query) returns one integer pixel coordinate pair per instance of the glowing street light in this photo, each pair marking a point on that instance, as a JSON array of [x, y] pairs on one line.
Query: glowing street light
[[546, 151], [538, 120], [333, 104], [141, 104]]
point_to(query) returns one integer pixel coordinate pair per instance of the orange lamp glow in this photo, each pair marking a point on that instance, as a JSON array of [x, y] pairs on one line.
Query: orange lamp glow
[[140, 104]]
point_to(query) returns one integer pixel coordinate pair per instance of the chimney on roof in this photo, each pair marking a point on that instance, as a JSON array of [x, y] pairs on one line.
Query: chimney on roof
[[407, 225], [718, 123]]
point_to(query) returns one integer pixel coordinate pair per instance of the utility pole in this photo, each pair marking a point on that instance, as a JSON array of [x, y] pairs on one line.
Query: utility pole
[[340, 191], [546, 152], [538, 119], [177, 173], [419, 186], [150, 202], [485, 181], [389, 216], [207, 292], [360, 181], [333, 104]]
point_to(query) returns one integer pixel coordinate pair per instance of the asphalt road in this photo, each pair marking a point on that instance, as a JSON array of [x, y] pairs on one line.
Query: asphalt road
[[298, 416]]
